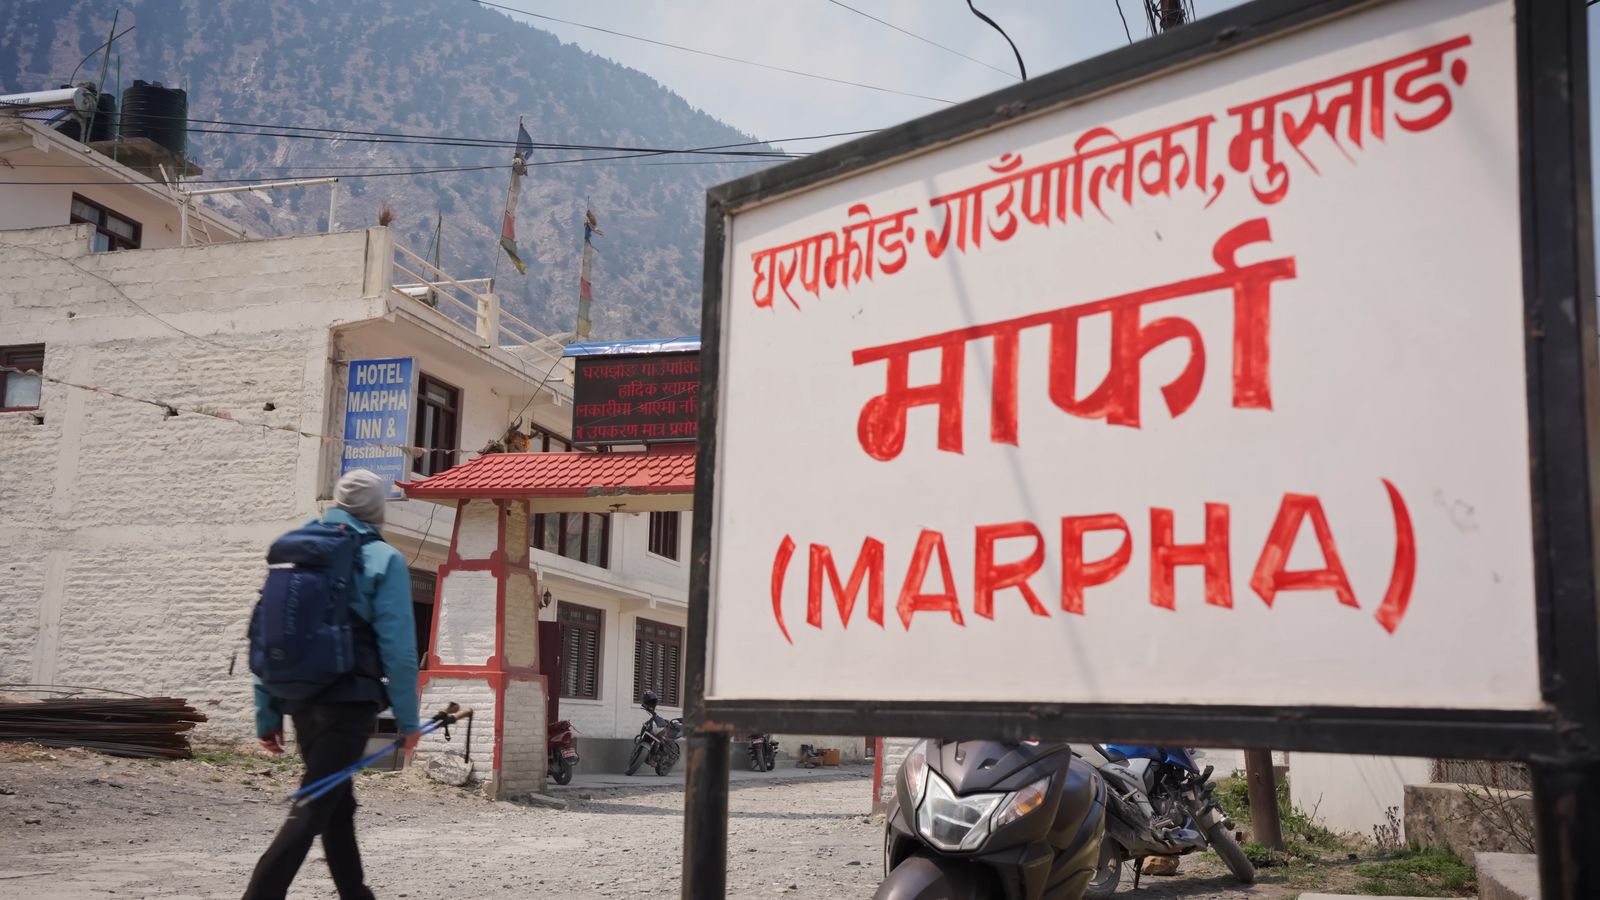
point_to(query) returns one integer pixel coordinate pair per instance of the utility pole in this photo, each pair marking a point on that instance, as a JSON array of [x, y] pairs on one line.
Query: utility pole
[[1263, 784], [1171, 14]]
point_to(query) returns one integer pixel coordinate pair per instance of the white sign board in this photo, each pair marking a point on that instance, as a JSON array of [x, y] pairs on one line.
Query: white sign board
[[1207, 390]]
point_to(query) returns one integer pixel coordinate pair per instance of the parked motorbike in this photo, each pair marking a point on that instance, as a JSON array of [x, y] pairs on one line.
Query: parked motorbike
[[657, 741], [1159, 803], [980, 819], [763, 753], [563, 745]]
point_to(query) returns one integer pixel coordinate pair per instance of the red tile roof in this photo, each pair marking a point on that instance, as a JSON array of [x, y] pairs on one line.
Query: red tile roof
[[509, 476]]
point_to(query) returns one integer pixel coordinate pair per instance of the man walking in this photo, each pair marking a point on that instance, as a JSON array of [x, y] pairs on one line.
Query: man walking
[[332, 722]]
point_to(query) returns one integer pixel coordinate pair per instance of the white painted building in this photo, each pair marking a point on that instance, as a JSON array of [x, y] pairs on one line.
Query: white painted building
[[191, 409]]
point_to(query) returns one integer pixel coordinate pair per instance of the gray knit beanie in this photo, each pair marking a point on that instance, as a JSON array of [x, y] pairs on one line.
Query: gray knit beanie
[[363, 495]]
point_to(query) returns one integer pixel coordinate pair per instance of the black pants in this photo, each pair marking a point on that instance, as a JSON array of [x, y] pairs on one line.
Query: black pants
[[331, 737]]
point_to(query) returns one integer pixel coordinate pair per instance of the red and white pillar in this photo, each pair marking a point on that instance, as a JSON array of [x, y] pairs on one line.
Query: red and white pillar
[[485, 645]]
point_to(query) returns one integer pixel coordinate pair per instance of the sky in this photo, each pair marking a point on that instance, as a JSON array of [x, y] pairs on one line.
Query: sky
[[821, 37]]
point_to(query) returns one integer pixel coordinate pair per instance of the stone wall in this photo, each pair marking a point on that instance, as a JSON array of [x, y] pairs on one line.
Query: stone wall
[[1439, 815]]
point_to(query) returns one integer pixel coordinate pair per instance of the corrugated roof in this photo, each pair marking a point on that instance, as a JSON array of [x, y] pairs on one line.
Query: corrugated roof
[[621, 348], [511, 476]]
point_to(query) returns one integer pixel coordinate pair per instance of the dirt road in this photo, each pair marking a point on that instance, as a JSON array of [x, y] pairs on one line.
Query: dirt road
[[77, 825]]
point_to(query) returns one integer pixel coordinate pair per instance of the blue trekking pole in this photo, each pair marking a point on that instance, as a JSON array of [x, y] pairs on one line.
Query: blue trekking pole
[[444, 718]]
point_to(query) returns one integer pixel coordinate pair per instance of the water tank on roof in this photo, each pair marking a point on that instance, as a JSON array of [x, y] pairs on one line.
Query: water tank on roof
[[158, 113]]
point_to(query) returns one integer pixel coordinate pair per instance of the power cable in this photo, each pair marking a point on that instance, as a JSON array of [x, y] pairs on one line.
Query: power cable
[[1124, 17], [921, 38], [721, 56], [996, 26]]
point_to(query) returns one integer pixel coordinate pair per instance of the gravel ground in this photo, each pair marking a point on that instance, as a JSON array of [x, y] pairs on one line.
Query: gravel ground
[[78, 825]]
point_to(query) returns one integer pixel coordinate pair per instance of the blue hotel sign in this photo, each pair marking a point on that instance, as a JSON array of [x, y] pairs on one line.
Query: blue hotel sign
[[379, 395]]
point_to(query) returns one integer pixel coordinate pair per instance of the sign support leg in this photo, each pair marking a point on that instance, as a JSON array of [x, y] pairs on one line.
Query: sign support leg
[[1263, 784], [1566, 796], [705, 816]]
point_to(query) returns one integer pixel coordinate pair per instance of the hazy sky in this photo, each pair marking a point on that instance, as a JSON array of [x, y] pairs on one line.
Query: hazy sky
[[820, 37]]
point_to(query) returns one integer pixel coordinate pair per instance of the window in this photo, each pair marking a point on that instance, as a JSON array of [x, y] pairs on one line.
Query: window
[[438, 425], [581, 630], [656, 650], [111, 231], [423, 585], [664, 534], [19, 391], [585, 537]]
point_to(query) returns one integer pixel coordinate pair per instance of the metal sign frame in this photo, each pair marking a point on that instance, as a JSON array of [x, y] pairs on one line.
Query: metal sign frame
[[1562, 740]]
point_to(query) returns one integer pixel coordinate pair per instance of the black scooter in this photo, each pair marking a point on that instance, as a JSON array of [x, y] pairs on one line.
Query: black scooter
[[979, 819]]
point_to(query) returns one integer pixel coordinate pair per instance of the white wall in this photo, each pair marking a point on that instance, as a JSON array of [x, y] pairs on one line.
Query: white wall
[[102, 181], [614, 715], [136, 540], [1351, 793]]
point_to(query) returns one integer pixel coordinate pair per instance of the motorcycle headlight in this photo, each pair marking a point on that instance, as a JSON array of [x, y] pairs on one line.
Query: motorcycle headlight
[[1023, 802], [949, 822], [915, 768]]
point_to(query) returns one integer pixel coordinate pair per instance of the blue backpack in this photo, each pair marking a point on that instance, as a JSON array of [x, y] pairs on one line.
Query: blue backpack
[[303, 636]]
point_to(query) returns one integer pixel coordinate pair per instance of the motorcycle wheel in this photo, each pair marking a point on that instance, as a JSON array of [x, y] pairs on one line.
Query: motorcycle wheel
[[755, 760], [772, 759], [1107, 874], [1228, 849], [667, 761], [562, 771], [637, 759]]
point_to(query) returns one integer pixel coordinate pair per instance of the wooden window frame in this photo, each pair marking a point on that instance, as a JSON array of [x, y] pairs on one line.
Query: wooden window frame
[[15, 356], [428, 462], [666, 537], [116, 241], [668, 637], [568, 615]]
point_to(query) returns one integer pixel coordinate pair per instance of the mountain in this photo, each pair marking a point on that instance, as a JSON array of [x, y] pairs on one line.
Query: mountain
[[435, 67]]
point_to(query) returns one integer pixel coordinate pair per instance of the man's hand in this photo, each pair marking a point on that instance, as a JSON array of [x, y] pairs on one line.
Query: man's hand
[[272, 742]]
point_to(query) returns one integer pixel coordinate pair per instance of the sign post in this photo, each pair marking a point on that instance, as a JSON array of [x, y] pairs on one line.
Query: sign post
[[379, 396], [1237, 388]]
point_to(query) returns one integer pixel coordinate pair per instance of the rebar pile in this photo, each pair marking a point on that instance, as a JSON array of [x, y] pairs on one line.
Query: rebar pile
[[139, 727]]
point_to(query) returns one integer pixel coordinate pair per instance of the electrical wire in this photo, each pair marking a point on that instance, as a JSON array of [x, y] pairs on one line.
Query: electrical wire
[[1124, 17], [996, 26], [921, 38], [721, 56]]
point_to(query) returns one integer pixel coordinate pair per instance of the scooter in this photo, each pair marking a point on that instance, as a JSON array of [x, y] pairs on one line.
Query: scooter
[[657, 740], [563, 744], [980, 819], [763, 753], [1159, 803]]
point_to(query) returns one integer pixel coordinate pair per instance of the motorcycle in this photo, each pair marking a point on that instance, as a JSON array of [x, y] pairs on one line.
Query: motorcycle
[[763, 753], [1160, 803], [563, 745], [657, 741], [979, 819]]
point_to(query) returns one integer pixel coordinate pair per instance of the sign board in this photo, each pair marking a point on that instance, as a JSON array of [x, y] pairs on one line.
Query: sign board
[[1183, 394], [635, 399], [379, 396]]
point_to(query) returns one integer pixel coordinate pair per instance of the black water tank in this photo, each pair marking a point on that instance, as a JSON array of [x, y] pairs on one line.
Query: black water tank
[[158, 113]]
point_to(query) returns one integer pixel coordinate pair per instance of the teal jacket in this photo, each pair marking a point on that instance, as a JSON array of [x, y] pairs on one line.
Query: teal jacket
[[383, 599]]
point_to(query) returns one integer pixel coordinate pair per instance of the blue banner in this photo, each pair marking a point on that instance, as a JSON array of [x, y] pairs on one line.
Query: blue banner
[[379, 394]]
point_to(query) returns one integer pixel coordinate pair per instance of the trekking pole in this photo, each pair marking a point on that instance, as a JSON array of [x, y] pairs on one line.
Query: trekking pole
[[444, 718]]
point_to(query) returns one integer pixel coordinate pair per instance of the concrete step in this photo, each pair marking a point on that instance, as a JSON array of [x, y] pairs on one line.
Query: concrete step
[[1508, 876]]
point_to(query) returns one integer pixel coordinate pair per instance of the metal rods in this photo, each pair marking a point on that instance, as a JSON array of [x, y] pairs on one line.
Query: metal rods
[[145, 728]]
